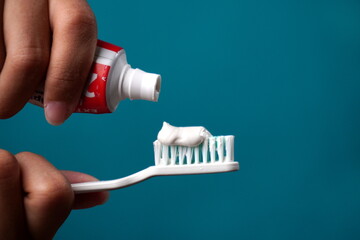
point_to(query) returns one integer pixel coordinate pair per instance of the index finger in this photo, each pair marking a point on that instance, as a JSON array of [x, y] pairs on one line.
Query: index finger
[[49, 195], [12, 224], [26, 36]]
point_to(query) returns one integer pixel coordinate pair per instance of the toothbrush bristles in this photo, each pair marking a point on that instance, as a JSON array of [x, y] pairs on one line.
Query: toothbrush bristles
[[213, 150]]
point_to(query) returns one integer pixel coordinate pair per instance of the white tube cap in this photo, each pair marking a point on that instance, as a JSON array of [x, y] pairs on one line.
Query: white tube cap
[[141, 85]]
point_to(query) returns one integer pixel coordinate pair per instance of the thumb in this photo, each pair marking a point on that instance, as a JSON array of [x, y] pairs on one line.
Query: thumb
[[85, 200]]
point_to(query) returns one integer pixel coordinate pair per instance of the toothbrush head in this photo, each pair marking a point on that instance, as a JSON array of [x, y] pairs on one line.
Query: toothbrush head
[[214, 154]]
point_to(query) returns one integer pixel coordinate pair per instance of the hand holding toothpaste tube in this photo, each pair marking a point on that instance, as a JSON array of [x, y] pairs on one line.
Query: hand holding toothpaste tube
[[36, 198], [45, 39]]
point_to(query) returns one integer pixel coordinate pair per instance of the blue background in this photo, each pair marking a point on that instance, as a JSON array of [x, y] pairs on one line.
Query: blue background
[[283, 76]]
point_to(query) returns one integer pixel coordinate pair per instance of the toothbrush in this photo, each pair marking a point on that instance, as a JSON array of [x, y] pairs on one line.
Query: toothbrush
[[214, 155]]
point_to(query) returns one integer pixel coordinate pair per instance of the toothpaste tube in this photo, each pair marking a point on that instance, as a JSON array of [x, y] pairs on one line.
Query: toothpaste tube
[[112, 80]]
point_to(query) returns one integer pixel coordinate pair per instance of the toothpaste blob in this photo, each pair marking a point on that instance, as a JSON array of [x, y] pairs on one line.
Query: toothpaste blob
[[182, 136], [111, 80]]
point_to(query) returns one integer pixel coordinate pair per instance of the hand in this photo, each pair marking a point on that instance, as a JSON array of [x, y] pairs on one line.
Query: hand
[[51, 41], [36, 198]]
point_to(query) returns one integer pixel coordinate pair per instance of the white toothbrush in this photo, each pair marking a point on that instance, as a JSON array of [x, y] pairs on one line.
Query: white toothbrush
[[214, 155]]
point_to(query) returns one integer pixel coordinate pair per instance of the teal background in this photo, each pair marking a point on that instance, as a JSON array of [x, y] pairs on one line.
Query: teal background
[[283, 76]]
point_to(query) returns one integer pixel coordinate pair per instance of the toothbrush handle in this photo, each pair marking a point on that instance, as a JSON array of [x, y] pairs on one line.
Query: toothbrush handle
[[98, 186], [153, 171]]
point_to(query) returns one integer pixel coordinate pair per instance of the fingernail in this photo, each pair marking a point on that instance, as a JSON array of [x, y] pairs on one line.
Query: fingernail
[[56, 112]]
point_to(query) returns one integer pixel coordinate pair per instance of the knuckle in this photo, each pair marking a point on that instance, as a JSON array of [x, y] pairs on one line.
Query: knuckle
[[8, 165], [24, 155], [5, 155], [27, 59], [82, 22]]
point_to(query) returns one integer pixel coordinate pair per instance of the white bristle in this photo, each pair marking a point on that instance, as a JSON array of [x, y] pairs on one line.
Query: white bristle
[[196, 153], [205, 150], [229, 143], [173, 155], [182, 152], [157, 146], [189, 154], [220, 148], [212, 149], [165, 155]]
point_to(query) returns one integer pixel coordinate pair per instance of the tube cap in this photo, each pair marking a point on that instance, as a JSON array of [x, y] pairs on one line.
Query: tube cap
[[141, 85]]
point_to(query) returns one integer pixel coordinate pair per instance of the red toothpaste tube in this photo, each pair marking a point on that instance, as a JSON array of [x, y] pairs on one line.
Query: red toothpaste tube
[[112, 80]]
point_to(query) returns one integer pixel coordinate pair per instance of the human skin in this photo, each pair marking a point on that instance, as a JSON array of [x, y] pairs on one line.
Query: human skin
[[50, 42], [36, 198]]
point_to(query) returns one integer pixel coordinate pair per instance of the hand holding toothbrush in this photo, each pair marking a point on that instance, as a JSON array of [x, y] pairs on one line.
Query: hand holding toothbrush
[[36, 198], [45, 40]]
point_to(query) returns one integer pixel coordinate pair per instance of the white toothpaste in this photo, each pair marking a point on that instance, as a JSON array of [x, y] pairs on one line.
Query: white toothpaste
[[182, 136]]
